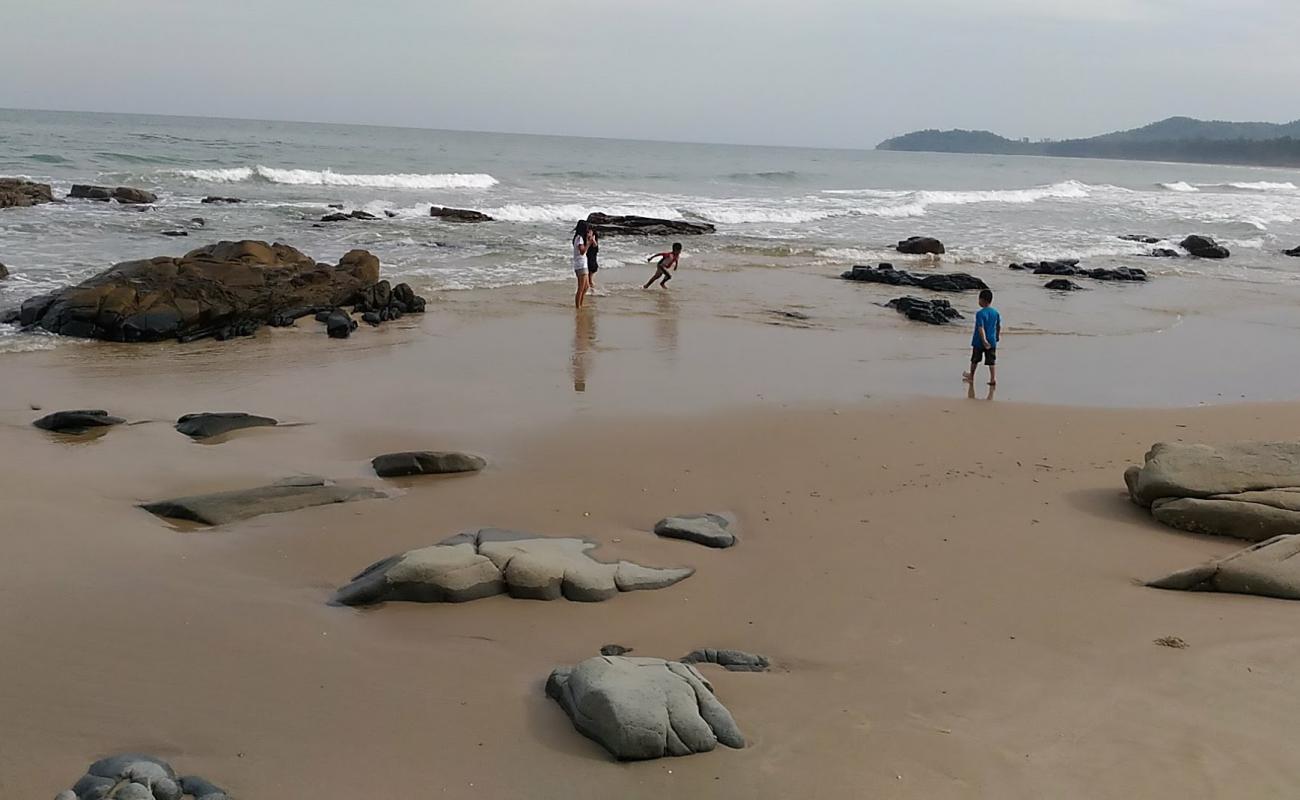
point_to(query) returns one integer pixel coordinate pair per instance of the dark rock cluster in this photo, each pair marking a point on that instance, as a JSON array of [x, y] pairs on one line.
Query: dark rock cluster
[[938, 282], [20, 193], [1069, 268], [933, 312], [458, 214], [631, 225], [122, 194]]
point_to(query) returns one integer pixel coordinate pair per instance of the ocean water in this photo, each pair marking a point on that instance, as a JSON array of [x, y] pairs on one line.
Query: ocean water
[[772, 206]]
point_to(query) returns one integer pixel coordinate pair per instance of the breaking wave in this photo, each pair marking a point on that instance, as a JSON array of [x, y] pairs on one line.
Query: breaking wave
[[327, 177]]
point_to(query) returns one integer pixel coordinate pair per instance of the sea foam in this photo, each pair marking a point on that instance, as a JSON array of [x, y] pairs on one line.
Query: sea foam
[[328, 177]]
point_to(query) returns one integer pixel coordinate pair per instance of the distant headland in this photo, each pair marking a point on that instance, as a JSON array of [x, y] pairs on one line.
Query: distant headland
[[1175, 139]]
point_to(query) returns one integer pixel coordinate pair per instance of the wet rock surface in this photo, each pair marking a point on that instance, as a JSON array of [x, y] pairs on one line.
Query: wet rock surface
[[643, 708], [1069, 268], [426, 462], [122, 194], [920, 245], [631, 225], [938, 282], [220, 508], [1062, 285], [932, 312], [222, 290], [77, 421], [20, 193], [206, 425], [1204, 247], [458, 214], [490, 561]]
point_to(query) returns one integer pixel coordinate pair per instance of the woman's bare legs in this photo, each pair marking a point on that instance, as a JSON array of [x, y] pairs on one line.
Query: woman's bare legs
[[584, 283]]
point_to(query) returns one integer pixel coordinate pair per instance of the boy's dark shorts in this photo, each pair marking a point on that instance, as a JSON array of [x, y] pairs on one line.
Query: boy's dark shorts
[[990, 356]]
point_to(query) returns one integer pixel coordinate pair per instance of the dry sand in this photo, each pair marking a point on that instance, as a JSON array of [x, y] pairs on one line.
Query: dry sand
[[946, 586]]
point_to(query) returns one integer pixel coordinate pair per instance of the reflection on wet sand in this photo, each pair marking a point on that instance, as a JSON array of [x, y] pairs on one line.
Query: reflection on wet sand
[[666, 321], [584, 336], [970, 391]]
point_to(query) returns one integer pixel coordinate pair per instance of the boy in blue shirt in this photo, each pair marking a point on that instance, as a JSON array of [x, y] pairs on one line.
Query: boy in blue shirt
[[984, 342]]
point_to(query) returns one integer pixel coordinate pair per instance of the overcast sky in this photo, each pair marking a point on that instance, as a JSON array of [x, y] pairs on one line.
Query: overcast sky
[[841, 73]]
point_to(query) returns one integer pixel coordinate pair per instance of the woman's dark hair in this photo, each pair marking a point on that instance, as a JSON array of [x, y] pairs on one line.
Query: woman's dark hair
[[581, 228]]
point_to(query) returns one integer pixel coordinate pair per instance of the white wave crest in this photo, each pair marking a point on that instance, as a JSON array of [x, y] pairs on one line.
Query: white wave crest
[[1180, 186], [739, 215], [1263, 186], [569, 212], [328, 177]]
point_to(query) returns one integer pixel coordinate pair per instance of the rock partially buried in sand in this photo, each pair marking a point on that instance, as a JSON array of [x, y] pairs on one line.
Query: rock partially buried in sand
[[1253, 516], [425, 462], [731, 660], [458, 214], [77, 421], [228, 287], [710, 530], [1270, 568], [139, 777], [920, 246], [220, 508], [489, 562], [1062, 285], [207, 424], [19, 193], [932, 312], [642, 708]]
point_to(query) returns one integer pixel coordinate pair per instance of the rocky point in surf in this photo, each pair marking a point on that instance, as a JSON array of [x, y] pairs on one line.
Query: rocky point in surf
[[631, 225], [217, 290], [20, 193]]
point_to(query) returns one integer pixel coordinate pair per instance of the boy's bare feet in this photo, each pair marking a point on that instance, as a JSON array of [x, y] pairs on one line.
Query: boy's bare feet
[[967, 377]]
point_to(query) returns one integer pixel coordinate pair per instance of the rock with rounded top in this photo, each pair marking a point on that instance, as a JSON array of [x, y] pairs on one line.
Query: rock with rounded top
[[1270, 568], [134, 776], [206, 425], [1203, 247], [491, 561], [1177, 469], [920, 245], [212, 289], [643, 708], [426, 462], [710, 530], [77, 422]]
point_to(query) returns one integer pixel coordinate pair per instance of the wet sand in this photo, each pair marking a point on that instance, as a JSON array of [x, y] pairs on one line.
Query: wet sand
[[947, 586]]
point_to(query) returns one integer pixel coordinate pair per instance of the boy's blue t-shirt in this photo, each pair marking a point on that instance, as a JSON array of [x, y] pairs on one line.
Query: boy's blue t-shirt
[[988, 319]]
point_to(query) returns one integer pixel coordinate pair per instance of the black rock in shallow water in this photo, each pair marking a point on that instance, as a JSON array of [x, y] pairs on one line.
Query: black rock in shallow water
[[213, 199], [1163, 252], [1137, 237], [934, 312], [1295, 251], [176, 233], [458, 214], [1069, 267], [1062, 285], [339, 324], [631, 225], [938, 282], [207, 424], [393, 465], [1204, 247], [920, 245], [78, 421]]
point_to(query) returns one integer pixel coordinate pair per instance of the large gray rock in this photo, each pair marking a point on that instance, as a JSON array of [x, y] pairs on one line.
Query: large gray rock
[[488, 562], [1200, 470], [1269, 568], [640, 708], [731, 660], [77, 422], [710, 530], [1253, 516], [425, 462], [220, 508], [133, 776], [209, 424]]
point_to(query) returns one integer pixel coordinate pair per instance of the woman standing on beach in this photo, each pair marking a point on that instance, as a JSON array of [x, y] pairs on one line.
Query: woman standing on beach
[[581, 241], [593, 251]]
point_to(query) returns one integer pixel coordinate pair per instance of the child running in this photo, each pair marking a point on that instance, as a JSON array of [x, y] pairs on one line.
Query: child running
[[667, 261], [984, 341]]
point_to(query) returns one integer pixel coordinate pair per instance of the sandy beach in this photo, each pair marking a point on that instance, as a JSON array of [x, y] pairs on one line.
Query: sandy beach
[[947, 586]]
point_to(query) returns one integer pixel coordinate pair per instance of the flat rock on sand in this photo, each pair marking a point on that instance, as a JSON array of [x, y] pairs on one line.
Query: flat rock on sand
[[641, 708], [488, 562], [78, 421], [1269, 568], [425, 462], [710, 530], [731, 660], [220, 508], [206, 425], [1201, 470], [1253, 516]]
